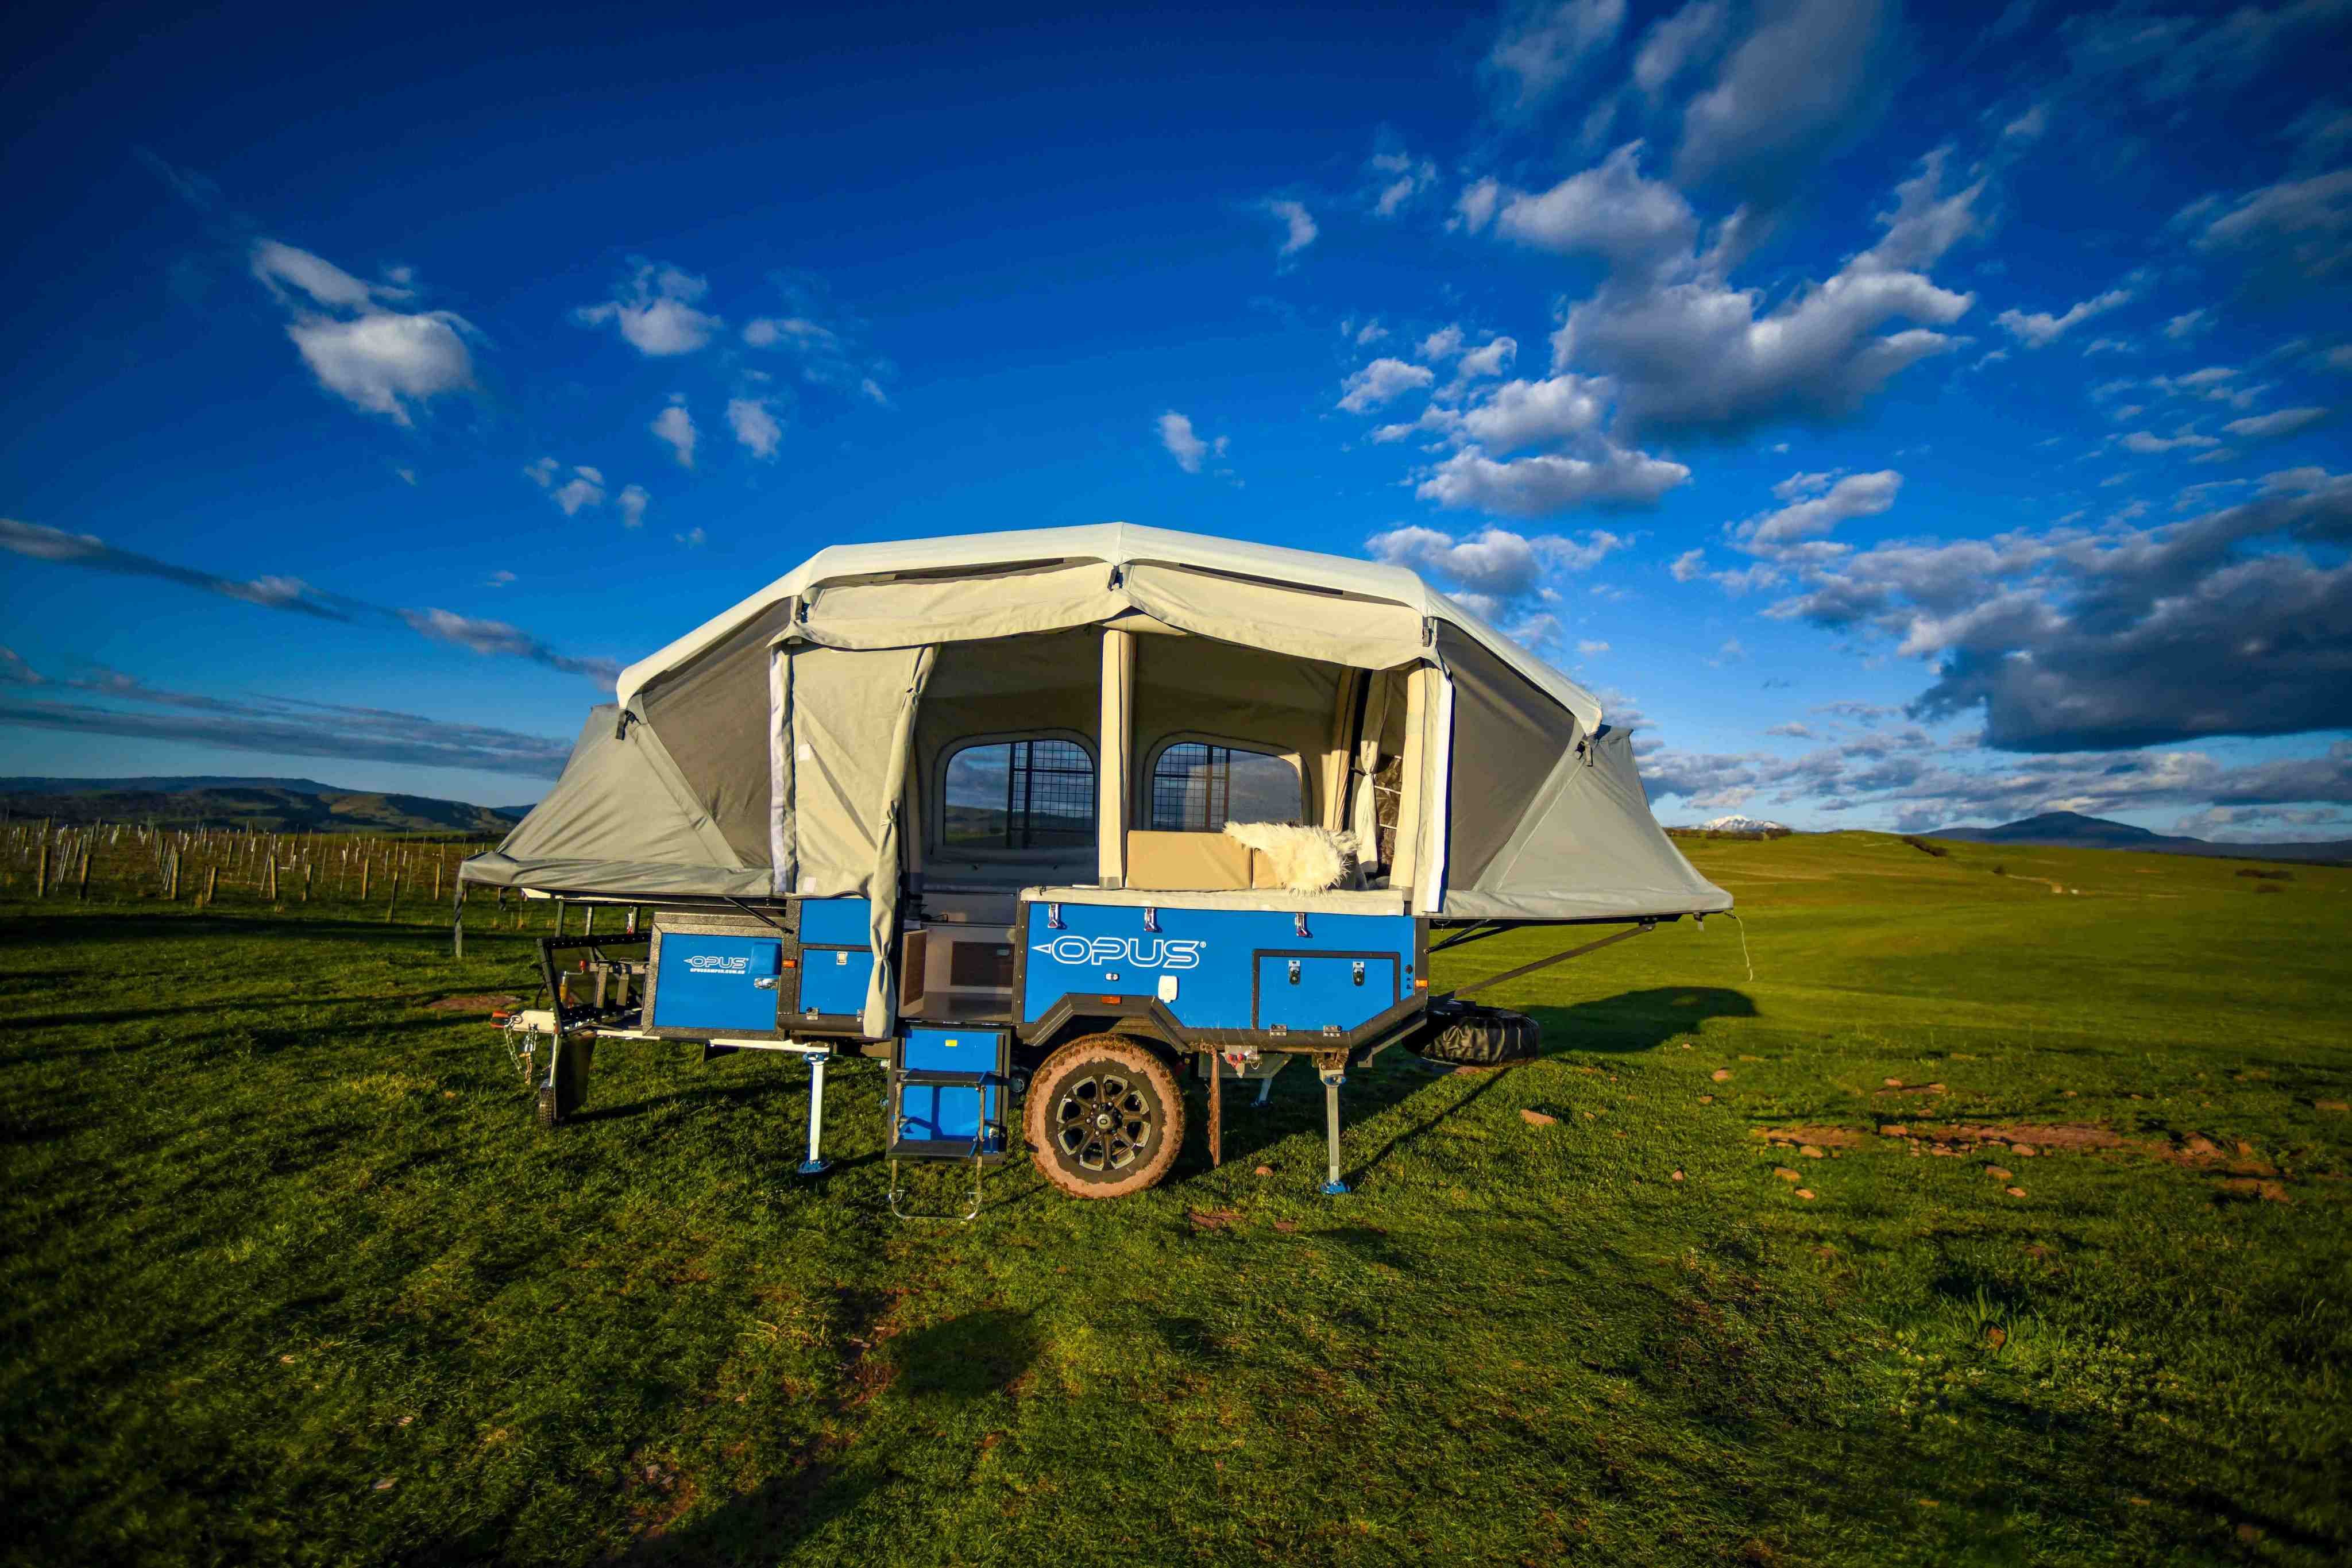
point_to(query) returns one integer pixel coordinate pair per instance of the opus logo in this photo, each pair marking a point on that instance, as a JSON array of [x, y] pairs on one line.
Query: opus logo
[[718, 963], [1143, 952]]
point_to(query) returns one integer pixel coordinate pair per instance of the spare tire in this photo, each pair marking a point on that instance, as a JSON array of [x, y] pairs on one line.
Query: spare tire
[[1484, 1037]]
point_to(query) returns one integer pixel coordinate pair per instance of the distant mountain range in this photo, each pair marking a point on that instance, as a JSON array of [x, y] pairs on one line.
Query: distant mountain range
[[264, 806], [2073, 830], [1753, 826]]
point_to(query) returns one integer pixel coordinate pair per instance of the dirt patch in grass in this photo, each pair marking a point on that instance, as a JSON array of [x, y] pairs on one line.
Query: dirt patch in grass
[[1819, 1137], [2191, 1151], [483, 1002]]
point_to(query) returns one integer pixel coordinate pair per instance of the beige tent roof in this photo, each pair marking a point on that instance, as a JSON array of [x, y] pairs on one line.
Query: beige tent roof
[[1117, 544], [1531, 807]]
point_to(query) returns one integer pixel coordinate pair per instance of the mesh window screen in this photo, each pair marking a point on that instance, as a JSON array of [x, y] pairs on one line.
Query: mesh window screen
[[1198, 788], [1021, 794]]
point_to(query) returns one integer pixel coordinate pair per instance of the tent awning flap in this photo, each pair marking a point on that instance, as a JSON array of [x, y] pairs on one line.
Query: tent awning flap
[[1589, 849], [1367, 633], [923, 610]]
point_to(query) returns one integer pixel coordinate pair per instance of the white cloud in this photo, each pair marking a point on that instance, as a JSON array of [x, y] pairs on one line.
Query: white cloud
[[2299, 229], [1856, 495], [1189, 450], [1369, 332], [2230, 622], [693, 538], [1380, 381], [2147, 443], [1401, 179], [1590, 648], [1299, 225], [2028, 126], [498, 579], [542, 472], [1808, 78], [2277, 426], [754, 422], [767, 332], [676, 426], [1687, 39], [1549, 482], [1797, 485], [585, 488], [1494, 568], [1522, 413], [2039, 328], [378, 359], [1688, 352], [1443, 343], [1690, 563], [1490, 361], [1610, 211], [1545, 43], [1476, 204], [632, 503], [655, 312], [2189, 324]]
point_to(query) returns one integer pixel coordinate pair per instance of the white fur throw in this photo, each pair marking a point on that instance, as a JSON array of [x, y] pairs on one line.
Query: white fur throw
[[1305, 859]]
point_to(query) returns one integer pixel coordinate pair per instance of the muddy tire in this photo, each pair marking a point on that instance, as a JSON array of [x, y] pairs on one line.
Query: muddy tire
[[1104, 1117], [1485, 1038]]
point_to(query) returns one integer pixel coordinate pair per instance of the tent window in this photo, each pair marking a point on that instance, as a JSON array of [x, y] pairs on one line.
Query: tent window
[[1198, 787], [1020, 795]]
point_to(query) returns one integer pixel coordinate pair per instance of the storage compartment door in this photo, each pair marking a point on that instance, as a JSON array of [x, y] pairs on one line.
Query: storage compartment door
[[714, 981], [1323, 992]]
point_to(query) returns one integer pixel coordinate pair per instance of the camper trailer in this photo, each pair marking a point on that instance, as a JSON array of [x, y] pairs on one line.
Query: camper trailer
[[1070, 828]]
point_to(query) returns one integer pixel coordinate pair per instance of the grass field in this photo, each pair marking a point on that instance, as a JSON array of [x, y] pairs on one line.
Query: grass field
[[291, 1275]]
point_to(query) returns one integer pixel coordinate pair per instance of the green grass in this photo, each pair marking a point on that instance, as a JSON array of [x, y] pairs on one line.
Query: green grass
[[289, 1275]]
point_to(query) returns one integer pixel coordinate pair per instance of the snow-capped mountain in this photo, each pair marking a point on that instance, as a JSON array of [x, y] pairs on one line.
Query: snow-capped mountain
[[1742, 825]]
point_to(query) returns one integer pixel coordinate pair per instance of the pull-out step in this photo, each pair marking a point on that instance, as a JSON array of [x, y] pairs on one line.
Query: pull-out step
[[948, 1090]]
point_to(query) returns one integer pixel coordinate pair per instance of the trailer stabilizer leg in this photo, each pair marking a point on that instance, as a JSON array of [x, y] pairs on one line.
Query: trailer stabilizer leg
[[815, 1164], [1333, 1187]]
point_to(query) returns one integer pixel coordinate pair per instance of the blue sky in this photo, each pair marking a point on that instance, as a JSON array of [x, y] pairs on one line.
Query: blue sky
[[1903, 417]]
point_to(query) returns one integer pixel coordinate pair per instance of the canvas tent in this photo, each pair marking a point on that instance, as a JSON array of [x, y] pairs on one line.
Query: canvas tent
[[800, 743]]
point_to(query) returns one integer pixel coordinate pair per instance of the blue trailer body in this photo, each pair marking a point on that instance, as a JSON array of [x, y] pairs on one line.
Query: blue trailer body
[[1272, 972], [713, 981], [836, 957]]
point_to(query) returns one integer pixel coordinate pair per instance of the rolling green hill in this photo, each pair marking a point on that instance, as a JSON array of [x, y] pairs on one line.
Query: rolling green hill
[[289, 806], [1985, 1207]]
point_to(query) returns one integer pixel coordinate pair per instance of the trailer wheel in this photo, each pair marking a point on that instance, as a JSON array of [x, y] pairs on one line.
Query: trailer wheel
[[1104, 1117], [1486, 1036]]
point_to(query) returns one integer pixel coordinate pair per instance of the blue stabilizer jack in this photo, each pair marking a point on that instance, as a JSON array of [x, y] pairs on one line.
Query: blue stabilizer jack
[[1334, 1187]]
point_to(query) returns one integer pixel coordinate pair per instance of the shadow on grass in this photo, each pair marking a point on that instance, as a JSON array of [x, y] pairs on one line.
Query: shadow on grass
[[975, 1356], [1636, 1021], [1624, 1025]]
